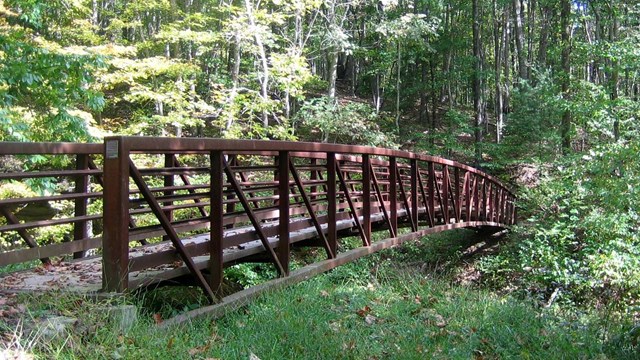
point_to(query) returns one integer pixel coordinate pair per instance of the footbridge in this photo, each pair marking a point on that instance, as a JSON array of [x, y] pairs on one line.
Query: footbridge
[[139, 211]]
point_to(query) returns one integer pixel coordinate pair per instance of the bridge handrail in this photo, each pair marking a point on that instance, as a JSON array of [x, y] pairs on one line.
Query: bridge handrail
[[145, 144]]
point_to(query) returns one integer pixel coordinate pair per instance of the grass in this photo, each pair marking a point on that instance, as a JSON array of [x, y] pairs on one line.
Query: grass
[[398, 304]]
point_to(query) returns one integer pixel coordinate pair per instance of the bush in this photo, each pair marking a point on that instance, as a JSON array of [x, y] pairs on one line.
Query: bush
[[326, 120], [581, 235]]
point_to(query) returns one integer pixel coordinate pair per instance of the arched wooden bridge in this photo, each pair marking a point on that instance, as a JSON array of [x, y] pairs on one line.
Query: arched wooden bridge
[[175, 209]]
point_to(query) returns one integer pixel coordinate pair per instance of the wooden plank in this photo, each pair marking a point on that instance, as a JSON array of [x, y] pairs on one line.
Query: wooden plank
[[24, 255]]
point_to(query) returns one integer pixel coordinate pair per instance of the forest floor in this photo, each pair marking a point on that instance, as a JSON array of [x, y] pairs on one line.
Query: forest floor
[[424, 299]]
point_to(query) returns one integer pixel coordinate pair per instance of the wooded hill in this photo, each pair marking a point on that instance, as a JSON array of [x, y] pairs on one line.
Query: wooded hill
[[538, 75]]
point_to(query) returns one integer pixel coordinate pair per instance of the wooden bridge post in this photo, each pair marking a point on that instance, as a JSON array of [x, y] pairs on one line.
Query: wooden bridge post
[[216, 218], [115, 240], [414, 193], [81, 228], [169, 181], [393, 195], [445, 194], [432, 186], [458, 190], [366, 197], [284, 251], [332, 203]]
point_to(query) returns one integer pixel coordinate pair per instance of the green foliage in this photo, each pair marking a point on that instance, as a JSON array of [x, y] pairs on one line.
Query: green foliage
[[326, 120], [582, 232], [531, 130], [451, 139], [42, 86]]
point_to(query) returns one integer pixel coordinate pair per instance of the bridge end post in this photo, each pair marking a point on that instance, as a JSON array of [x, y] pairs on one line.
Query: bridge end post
[[115, 240]]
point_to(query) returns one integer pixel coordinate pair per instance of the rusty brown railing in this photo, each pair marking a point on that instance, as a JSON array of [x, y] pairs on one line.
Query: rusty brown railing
[[176, 207]]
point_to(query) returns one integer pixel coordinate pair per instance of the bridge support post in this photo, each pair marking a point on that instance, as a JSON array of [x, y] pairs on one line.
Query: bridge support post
[[393, 196], [216, 218], [366, 197], [432, 186], [332, 206], [284, 250], [445, 194], [169, 181], [414, 194], [115, 240], [81, 228]]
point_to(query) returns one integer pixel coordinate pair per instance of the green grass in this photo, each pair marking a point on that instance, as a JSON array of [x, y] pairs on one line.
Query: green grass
[[385, 306]]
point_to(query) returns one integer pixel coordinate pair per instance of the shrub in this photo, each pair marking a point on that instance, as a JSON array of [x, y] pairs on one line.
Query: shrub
[[581, 235]]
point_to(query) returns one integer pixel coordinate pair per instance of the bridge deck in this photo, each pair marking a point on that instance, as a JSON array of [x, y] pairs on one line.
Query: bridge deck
[[85, 275]]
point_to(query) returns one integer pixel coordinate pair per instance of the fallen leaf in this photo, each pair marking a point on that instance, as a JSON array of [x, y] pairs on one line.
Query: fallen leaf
[[170, 342], [253, 356], [323, 293], [364, 311], [199, 349], [157, 318], [417, 300]]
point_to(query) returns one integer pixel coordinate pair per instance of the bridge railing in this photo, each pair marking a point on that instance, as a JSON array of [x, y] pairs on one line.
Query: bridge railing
[[31, 222], [211, 198]]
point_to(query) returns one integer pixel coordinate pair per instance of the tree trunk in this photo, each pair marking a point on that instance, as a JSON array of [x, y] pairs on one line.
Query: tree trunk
[[477, 82], [565, 24], [519, 28], [497, 53], [615, 74], [398, 84], [264, 79], [545, 14]]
